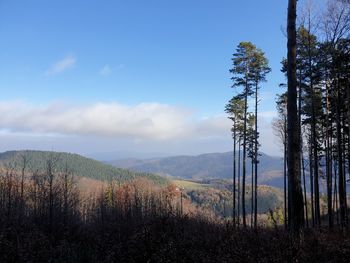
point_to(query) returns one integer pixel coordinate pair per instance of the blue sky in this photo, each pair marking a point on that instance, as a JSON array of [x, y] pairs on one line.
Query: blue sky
[[65, 58]]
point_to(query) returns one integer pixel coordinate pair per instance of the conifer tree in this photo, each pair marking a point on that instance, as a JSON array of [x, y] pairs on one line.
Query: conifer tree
[[235, 110]]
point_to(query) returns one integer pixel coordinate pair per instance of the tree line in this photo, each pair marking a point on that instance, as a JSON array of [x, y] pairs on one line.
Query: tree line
[[321, 117], [313, 121]]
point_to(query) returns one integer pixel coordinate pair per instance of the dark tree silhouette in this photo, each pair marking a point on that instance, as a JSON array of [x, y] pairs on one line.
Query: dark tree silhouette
[[296, 210]]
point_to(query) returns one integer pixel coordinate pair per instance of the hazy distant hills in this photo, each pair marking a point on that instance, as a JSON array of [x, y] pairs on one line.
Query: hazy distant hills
[[79, 165], [205, 166]]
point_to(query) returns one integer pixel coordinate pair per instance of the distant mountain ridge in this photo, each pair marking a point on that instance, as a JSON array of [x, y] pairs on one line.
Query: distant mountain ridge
[[79, 165], [205, 166]]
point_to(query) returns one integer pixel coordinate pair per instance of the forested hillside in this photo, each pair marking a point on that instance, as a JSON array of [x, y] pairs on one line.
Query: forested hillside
[[73, 163], [216, 195], [205, 166]]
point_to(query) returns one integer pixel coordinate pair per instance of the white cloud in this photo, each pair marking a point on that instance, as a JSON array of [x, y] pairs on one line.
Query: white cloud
[[106, 70], [142, 123], [213, 126], [62, 65]]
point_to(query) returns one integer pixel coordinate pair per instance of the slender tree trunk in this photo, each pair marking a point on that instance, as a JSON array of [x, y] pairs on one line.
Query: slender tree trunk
[[285, 175], [65, 196], [22, 192], [348, 121], [301, 161], [252, 193], [311, 185], [344, 172], [315, 157], [256, 154], [35, 198], [22, 182], [313, 130], [316, 183], [305, 196], [234, 175], [346, 195], [335, 198], [50, 200], [297, 207], [244, 154], [329, 162], [342, 202], [9, 194], [299, 121], [239, 181]]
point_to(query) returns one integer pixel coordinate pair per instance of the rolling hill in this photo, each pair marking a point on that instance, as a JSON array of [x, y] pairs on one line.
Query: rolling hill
[[216, 195], [79, 165], [205, 166]]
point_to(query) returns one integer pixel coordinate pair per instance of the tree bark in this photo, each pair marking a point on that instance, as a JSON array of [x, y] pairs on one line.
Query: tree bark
[[297, 206]]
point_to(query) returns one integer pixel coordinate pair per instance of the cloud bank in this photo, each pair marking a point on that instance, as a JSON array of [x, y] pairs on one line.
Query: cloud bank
[[149, 124], [143, 121]]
